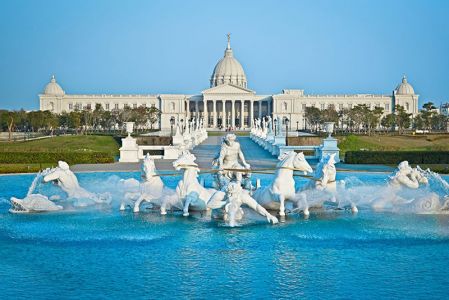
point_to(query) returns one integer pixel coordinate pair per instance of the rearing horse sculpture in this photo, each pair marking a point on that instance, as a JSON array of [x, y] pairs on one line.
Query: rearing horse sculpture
[[189, 190], [325, 181], [282, 188]]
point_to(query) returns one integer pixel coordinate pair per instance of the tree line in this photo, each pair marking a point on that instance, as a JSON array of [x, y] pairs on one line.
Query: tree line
[[362, 119], [78, 121]]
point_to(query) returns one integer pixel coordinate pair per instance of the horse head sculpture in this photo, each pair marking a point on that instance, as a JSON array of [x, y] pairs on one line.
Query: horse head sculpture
[[294, 161], [148, 168]]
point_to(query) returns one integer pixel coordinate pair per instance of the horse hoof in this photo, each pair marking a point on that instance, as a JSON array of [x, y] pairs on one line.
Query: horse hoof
[[354, 209], [122, 207], [136, 210], [163, 213], [282, 219], [185, 214]]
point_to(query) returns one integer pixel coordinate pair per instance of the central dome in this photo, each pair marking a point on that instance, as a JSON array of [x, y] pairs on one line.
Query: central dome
[[228, 70]]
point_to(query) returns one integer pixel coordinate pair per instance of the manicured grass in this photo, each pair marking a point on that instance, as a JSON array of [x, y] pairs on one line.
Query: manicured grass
[[220, 133], [75, 143], [438, 142], [24, 168], [80, 144]]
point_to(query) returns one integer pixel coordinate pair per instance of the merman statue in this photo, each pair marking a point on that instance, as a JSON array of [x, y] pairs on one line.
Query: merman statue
[[227, 162]]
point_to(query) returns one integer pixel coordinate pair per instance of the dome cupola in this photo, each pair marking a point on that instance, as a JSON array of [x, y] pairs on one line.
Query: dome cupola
[[404, 88], [53, 88], [228, 70]]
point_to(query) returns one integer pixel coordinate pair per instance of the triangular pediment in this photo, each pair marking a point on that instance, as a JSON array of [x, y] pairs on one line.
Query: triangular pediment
[[228, 89]]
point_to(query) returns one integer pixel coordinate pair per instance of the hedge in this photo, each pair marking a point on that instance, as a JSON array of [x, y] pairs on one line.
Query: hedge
[[53, 157], [395, 157]]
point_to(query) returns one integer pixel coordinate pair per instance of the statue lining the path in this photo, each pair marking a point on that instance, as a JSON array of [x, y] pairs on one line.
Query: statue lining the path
[[228, 158]]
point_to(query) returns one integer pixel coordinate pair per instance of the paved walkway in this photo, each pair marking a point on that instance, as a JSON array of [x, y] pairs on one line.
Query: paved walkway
[[255, 155]]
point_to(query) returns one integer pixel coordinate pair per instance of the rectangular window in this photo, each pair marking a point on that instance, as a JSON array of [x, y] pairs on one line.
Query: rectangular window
[[135, 105], [322, 106], [115, 105], [70, 105], [88, 106], [407, 106], [125, 106], [153, 105], [387, 107], [304, 107], [107, 106], [350, 105], [144, 105], [340, 106]]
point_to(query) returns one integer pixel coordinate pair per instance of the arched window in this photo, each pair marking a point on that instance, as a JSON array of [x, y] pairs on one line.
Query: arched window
[[172, 106], [284, 106]]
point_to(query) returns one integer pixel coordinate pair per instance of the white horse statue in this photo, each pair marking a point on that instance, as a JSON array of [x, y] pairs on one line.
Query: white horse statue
[[150, 190], [68, 182], [193, 195], [325, 182], [282, 188], [236, 196]]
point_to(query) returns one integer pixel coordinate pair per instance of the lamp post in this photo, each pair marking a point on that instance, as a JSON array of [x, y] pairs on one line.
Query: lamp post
[[172, 122], [287, 121], [297, 125]]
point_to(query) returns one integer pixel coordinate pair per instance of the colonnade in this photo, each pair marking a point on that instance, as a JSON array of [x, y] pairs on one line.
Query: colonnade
[[228, 113]]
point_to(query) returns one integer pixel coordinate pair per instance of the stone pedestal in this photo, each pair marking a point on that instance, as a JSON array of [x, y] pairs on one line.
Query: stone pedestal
[[129, 152], [329, 146]]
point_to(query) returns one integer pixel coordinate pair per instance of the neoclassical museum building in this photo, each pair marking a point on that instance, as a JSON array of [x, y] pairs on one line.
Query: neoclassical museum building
[[228, 101]]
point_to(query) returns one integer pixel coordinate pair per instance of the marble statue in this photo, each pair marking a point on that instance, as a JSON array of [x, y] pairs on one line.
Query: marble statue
[[282, 188], [33, 203], [227, 161], [190, 192], [407, 176], [150, 190], [232, 205], [68, 182], [269, 126], [325, 181]]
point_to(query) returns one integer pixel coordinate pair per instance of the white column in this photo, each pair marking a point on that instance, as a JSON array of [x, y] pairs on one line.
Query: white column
[[188, 111], [196, 109], [251, 108], [242, 112], [214, 109], [233, 113], [206, 113], [260, 109], [223, 120]]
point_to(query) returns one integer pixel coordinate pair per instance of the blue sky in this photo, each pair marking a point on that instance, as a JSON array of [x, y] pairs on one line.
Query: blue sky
[[323, 47]]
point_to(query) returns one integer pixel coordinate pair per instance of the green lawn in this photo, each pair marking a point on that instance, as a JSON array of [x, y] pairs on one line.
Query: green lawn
[[67, 144], [76, 143], [437, 142]]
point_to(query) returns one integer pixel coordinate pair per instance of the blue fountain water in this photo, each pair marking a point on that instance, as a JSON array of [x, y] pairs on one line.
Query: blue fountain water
[[103, 253]]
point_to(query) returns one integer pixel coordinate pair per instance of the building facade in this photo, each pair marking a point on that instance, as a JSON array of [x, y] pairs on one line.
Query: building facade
[[228, 102]]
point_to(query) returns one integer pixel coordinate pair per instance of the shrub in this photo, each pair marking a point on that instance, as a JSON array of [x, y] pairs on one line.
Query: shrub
[[53, 157], [395, 157]]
